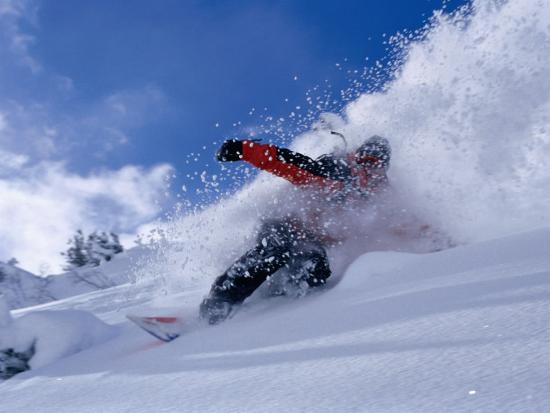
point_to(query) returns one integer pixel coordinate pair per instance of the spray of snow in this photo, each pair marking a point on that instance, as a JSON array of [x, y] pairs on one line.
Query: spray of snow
[[468, 116]]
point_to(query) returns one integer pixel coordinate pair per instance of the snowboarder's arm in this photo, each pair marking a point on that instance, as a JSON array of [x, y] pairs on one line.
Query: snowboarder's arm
[[280, 161], [292, 166]]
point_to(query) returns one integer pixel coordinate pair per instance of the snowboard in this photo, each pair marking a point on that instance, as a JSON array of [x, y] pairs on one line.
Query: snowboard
[[164, 328]]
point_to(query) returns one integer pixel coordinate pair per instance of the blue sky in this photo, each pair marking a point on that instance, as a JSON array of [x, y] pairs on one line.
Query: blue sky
[[117, 94], [209, 62]]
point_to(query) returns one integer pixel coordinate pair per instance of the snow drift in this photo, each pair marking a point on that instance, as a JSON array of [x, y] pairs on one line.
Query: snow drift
[[51, 335]]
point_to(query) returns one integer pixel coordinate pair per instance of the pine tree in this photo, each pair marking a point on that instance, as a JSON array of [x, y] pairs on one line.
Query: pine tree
[[103, 246], [76, 256], [92, 250], [116, 246]]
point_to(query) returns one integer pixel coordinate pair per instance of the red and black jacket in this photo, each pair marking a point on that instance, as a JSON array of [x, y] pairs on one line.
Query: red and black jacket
[[339, 176]]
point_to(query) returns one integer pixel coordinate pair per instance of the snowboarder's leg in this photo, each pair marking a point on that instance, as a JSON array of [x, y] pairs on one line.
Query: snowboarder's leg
[[310, 264], [308, 267], [245, 275]]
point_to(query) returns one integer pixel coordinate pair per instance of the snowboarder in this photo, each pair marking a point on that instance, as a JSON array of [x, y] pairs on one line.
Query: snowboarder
[[292, 242]]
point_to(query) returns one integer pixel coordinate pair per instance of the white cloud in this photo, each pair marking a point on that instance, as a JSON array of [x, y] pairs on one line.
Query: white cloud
[[42, 131], [43, 206], [10, 162], [26, 129], [64, 83], [16, 41], [133, 107], [112, 119]]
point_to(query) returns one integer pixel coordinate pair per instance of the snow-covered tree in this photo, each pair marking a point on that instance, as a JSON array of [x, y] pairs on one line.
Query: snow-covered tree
[[91, 251], [76, 255], [12, 261], [102, 246]]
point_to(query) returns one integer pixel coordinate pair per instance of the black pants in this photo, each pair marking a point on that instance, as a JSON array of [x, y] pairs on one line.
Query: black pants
[[280, 244]]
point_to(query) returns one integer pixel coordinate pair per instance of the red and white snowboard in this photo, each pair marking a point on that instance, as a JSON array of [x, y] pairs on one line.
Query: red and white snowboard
[[163, 328]]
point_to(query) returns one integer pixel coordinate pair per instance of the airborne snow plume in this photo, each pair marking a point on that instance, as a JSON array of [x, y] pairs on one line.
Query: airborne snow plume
[[468, 116]]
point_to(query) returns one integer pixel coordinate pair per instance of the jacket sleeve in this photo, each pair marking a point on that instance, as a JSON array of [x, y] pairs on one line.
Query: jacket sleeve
[[292, 166]]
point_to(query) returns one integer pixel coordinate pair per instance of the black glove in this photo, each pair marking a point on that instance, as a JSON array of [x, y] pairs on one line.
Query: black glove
[[231, 150]]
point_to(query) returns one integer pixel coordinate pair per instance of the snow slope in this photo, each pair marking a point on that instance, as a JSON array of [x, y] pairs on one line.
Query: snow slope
[[20, 288], [459, 330]]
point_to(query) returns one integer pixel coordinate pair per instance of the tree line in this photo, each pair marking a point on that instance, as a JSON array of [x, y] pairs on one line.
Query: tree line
[[91, 250]]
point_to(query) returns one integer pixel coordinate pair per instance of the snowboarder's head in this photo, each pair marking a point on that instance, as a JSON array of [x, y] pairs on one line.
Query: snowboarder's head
[[374, 153]]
